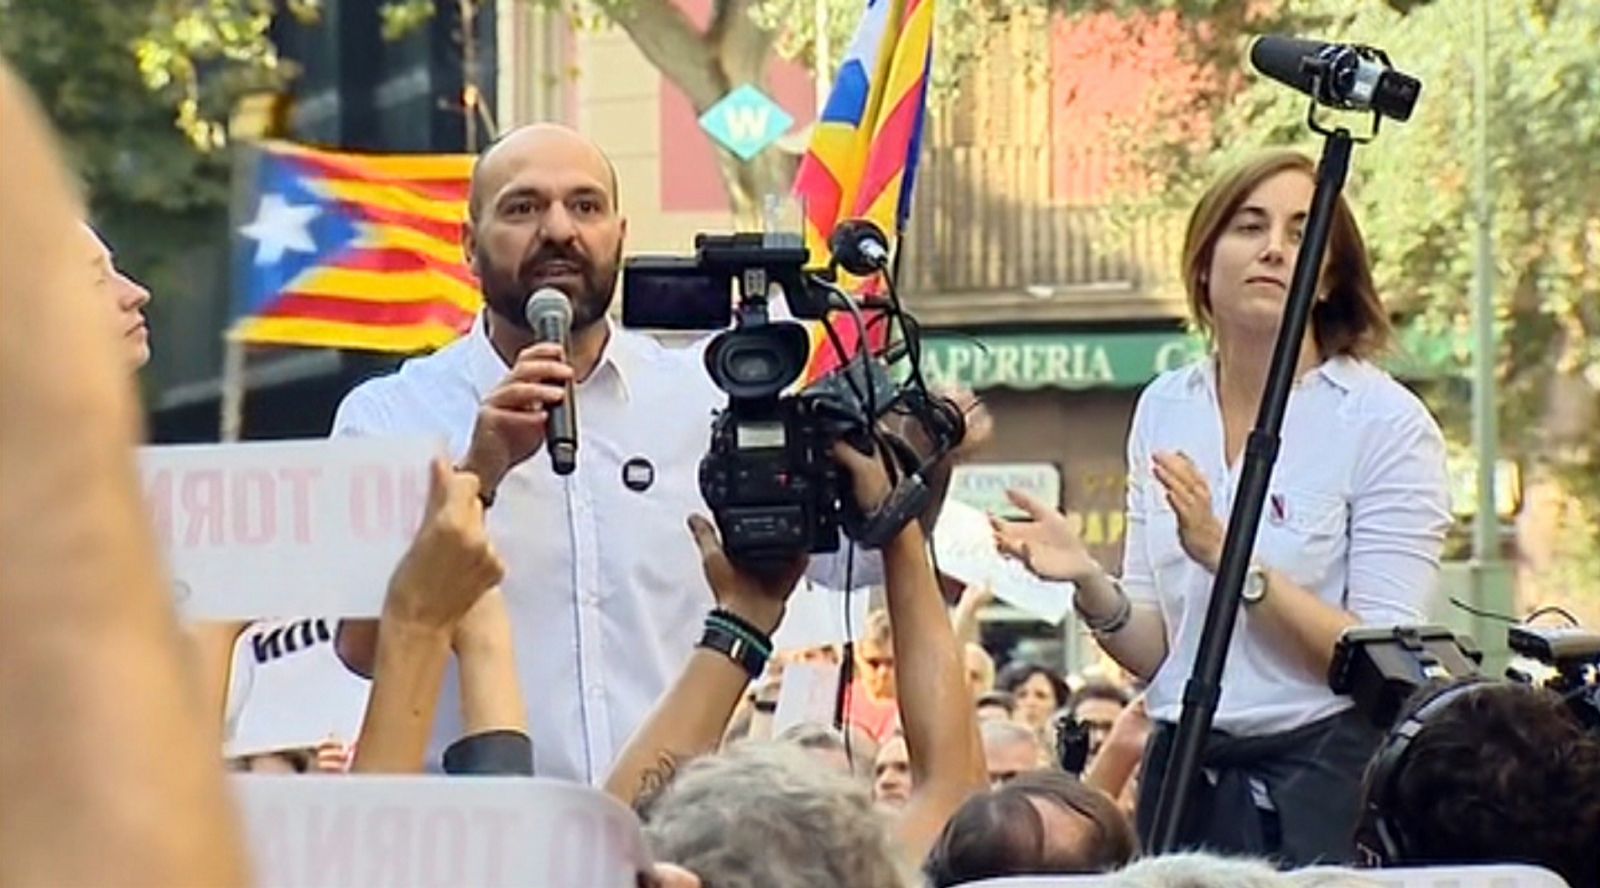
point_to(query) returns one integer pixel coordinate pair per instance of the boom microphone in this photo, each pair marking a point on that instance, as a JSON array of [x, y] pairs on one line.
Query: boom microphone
[[1355, 78], [549, 313]]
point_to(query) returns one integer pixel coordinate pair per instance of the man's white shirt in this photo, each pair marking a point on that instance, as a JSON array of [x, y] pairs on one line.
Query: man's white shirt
[[1356, 513], [603, 581]]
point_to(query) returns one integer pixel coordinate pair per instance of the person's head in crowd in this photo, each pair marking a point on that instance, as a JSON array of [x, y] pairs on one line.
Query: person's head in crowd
[[1239, 254], [875, 656], [1096, 706], [1493, 772], [126, 295], [1009, 749], [996, 706], [283, 761], [764, 816], [826, 745], [542, 212], [891, 773], [822, 655], [980, 670], [1038, 690], [329, 757], [1043, 822]]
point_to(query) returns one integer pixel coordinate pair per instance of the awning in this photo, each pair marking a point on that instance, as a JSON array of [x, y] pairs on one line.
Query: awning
[[1076, 361], [1055, 360]]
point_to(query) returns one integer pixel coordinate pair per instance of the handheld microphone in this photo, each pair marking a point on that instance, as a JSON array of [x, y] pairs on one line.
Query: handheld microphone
[[860, 247], [549, 313], [1355, 78]]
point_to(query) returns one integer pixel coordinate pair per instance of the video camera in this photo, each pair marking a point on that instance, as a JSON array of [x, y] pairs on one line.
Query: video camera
[[768, 477], [1381, 667]]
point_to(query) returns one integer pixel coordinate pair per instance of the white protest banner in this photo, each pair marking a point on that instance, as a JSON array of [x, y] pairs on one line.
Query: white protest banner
[[809, 695], [354, 830], [289, 690], [285, 528], [817, 615], [963, 542]]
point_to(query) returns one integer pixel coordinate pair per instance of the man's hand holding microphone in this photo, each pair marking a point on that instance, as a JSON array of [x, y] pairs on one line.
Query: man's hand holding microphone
[[533, 404]]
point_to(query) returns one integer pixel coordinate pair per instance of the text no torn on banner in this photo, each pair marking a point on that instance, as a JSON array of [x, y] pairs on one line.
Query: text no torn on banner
[[285, 528], [356, 830]]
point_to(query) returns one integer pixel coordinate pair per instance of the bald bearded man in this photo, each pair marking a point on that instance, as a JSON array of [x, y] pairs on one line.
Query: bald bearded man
[[603, 585]]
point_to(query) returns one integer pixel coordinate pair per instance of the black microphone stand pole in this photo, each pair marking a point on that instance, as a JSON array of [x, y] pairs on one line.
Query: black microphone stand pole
[[1203, 690]]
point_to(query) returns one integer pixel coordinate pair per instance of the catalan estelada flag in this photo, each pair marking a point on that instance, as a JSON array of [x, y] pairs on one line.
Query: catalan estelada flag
[[352, 251], [862, 160]]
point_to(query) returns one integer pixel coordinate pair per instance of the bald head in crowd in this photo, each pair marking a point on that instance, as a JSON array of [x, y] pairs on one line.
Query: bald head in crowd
[[542, 212], [1009, 749]]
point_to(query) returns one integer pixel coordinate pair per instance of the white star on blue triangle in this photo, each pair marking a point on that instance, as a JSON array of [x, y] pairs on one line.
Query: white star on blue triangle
[[290, 230]]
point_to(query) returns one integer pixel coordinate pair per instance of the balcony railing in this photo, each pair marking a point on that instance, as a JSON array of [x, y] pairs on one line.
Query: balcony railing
[[1018, 227]]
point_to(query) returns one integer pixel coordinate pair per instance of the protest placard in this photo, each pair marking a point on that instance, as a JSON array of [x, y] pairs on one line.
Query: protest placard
[[289, 690], [818, 615], [963, 541], [285, 528], [809, 695], [353, 830]]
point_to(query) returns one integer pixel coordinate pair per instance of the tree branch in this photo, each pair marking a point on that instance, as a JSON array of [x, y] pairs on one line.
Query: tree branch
[[743, 46], [670, 42]]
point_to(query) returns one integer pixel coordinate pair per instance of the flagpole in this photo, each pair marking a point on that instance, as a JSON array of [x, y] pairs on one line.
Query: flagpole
[[233, 384], [824, 53]]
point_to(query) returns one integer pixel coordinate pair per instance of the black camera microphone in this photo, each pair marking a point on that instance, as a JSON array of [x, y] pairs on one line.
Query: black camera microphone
[[549, 314], [860, 247], [1355, 78]]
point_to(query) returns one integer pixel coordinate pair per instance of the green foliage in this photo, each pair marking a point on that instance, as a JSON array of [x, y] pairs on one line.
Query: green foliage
[[202, 55], [79, 60]]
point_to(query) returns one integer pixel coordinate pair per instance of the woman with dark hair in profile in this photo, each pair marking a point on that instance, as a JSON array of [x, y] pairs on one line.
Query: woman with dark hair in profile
[[1040, 823], [1352, 525], [1037, 691]]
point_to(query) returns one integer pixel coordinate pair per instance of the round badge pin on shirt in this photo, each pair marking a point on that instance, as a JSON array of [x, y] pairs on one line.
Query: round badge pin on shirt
[[638, 474]]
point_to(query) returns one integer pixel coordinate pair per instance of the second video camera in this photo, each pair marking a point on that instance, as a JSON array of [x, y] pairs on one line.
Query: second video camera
[[768, 476]]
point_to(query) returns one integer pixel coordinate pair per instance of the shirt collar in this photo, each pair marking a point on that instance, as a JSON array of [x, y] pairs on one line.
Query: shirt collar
[[484, 367], [620, 358], [1340, 370]]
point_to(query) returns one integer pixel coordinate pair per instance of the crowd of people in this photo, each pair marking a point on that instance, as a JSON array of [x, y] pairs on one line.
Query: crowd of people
[[590, 627]]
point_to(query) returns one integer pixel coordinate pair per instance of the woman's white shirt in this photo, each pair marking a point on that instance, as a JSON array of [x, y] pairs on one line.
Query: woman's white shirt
[[1356, 513]]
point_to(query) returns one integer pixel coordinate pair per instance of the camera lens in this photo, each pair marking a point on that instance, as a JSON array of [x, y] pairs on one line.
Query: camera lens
[[757, 361]]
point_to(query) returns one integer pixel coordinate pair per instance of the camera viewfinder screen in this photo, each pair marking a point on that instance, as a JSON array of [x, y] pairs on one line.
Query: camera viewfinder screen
[[675, 299], [760, 435]]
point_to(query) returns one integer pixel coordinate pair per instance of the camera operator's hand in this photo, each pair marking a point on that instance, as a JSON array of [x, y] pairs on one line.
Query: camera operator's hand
[[450, 562], [979, 422], [511, 420], [757, 597], [1046, 545], [869, 480]]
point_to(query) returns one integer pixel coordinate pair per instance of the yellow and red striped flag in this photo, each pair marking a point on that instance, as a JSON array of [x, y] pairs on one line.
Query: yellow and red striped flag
[[354, 251], [862, 160]]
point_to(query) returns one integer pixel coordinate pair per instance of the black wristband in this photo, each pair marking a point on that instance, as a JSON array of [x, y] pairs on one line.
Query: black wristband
[[759, 635], [491, 752], [485, 495], [735, 647]]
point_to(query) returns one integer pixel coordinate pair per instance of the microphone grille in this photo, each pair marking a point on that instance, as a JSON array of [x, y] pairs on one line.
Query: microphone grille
[[549, 301]]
